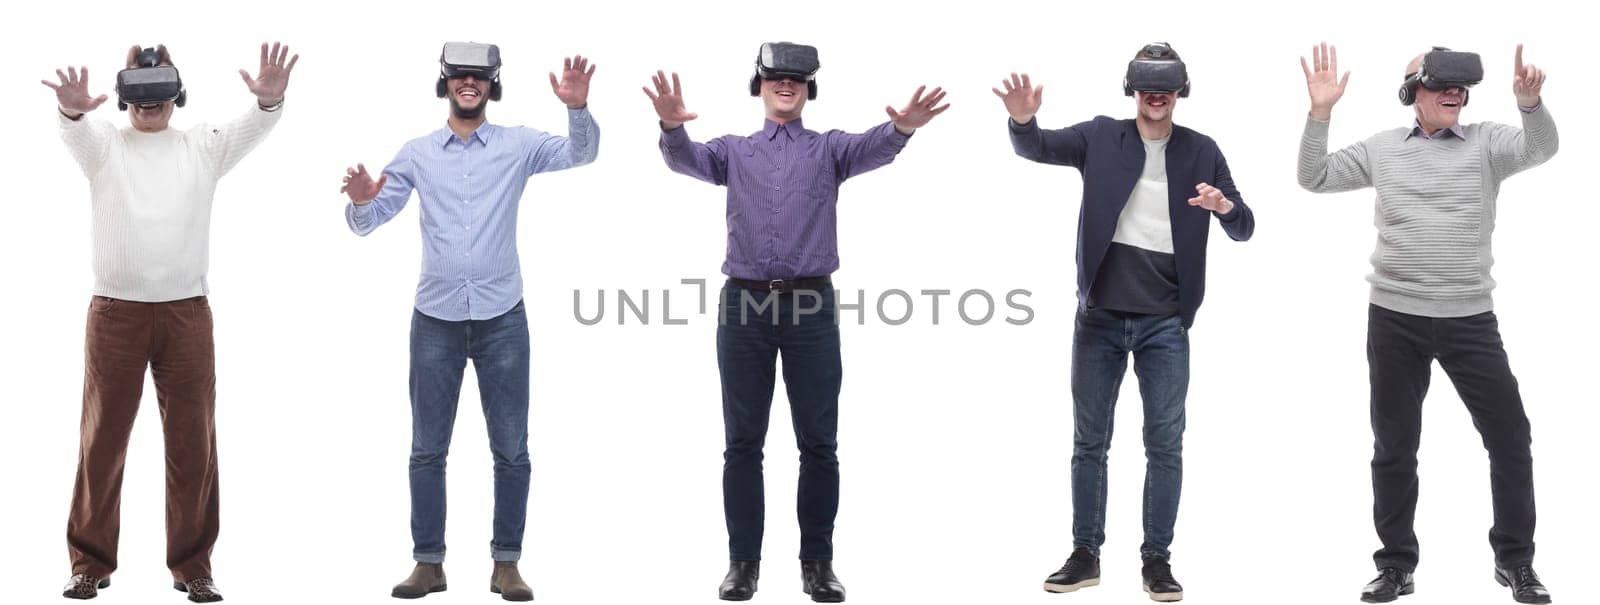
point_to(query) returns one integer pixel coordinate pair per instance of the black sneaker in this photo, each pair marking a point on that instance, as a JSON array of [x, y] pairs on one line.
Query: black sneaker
[[1525, 585], [1082, 570], [1390, 584], [1158, 580]]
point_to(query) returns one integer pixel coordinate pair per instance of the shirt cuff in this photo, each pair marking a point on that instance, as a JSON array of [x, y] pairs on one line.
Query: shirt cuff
[[1016, 128], [1536, 107]]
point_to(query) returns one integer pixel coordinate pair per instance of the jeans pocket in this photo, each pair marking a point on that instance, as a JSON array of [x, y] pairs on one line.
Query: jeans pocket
[[102, 304]]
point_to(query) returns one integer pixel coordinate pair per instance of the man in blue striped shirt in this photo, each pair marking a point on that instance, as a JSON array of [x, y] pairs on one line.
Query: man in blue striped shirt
[[783, 186], [469, 177]]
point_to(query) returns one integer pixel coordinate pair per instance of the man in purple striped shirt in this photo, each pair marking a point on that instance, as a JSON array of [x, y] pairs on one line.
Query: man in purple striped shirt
[[783, 187]]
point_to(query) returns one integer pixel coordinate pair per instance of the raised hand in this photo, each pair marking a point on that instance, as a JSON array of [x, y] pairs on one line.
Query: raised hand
[[1021, 97], [919, 111], [573, 87], [1323, 81], [72, 93], [359, 185], [1211, 199], [669, 101], [1527, 82], [273, 77]]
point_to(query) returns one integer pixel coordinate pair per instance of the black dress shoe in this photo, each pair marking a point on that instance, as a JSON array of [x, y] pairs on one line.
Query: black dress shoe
[[1082, 570], [201, 590], [817, 580], [1158, 580], [740, 583], [1390, 584], [84, 586], [1525, 585]]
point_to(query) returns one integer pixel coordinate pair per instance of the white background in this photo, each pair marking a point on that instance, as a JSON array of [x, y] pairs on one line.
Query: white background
[[955, 439]]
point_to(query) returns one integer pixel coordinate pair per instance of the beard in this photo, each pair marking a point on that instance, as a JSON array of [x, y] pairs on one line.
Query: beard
[[468, 114]]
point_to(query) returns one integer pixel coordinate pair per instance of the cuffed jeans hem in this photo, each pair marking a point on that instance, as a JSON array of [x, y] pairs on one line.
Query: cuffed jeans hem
[[499, 554], [1093, 550], [432, 558], [1147, 553]]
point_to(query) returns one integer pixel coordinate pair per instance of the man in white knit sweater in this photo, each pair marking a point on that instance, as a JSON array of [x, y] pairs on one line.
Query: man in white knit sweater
[[1437, 182], [151, 191]]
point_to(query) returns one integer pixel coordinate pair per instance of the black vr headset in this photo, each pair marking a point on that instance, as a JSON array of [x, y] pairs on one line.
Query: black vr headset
[[1443, 68], [1158, 70], [148, 81], [459, 59], [786, 60]]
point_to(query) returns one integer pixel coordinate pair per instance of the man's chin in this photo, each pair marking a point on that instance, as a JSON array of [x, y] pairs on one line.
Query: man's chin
[[467, 113]]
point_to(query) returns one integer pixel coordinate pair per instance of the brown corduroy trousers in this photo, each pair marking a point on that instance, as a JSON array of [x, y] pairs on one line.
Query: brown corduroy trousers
[[174, 340]]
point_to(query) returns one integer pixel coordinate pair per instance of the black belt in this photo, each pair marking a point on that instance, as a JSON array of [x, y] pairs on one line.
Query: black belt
[[784, 285]]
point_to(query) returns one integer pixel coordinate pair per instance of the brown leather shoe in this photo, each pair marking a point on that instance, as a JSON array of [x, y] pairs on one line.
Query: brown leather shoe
[[507, 582], [83, 586], [201, 590], [427, 578]]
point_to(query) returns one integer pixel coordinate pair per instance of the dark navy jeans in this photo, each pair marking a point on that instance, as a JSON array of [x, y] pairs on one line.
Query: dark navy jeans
[[755, 328], [1101, 343], [498, 348]]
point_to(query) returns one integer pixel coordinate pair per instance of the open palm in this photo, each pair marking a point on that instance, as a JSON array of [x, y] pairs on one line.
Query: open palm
[[1323, 82], [1021, 97], [573, 87], [272, 78], [668, 100], [72, 93]]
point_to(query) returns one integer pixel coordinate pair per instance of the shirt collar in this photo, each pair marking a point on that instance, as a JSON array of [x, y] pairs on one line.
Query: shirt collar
[[483, 134], [1416, 131], [771, 129]]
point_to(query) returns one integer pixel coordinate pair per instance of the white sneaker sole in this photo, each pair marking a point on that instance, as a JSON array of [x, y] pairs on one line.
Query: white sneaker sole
[[1071, 587], [1164, 597]]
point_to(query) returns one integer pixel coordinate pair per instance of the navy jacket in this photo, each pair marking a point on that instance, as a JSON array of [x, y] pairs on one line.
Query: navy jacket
[[1110, 155]]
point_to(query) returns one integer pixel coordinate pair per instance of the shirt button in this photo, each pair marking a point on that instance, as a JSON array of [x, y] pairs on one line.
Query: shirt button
[[777, 188]]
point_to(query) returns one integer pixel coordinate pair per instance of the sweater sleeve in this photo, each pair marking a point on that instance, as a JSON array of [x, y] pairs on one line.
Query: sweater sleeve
[[223, 146], [88, 140], [1513, 150], [1321, 172]]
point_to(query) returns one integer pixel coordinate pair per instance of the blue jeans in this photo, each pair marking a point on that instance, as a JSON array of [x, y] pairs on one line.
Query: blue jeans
[[498, 348], [1100, 347], [748, 345]]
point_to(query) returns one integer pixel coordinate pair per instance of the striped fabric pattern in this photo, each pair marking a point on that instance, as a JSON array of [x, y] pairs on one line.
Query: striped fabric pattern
[[1435, 207], [783, 191], [470, 192], [151, 194]]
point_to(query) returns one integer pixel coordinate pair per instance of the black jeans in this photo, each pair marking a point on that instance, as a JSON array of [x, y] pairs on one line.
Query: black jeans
[[1400, 353], [756, 326]]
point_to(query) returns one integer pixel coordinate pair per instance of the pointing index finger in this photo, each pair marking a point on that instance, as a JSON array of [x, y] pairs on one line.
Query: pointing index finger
[[1519, 59]]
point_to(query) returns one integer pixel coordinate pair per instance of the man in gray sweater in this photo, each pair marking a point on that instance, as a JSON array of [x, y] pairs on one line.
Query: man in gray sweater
[[1436, 181]]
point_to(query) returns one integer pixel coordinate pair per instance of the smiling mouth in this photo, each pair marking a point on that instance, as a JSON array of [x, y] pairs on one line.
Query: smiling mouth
[[1157, 102], [467, 93], [1450, 103], [149, 106]]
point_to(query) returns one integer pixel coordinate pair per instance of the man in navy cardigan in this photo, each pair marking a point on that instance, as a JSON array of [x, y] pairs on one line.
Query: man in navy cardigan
[[1150, 191]]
